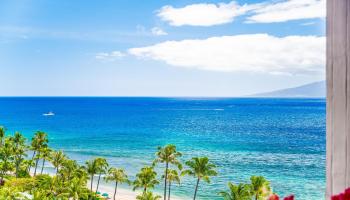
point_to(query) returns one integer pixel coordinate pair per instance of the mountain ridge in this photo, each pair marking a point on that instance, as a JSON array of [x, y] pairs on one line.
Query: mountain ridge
[[311, 90]]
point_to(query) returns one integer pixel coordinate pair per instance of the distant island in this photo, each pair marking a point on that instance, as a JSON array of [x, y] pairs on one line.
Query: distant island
[[311, 90]]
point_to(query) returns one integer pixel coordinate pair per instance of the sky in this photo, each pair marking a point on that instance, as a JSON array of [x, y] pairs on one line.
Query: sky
[[159, 47]]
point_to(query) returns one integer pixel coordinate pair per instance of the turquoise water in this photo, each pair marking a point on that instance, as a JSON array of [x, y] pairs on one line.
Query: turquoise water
[[281, 139]]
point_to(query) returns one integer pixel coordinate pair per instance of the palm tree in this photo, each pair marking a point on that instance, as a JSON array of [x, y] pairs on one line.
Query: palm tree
[[46, 184], [200, 168], [19, 149], [167, 155], [2, 135], [68, 169], [20, 154], [102, 166], [146, 178], [81, 173], [39, 141], [148, 196], [26, 165], [45, 155], [91, 168], [57, 159], [34, 146], [173, 176], [18, 139], [118, 176], [77, 190], [237, 192], [6, 156], [260, 187]]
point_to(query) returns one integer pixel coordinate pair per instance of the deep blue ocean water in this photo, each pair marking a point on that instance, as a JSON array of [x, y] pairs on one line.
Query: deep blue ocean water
[[281, 139]]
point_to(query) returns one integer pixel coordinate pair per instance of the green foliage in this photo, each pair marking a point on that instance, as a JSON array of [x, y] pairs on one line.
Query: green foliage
[[19, 151], [146, 179], [77, 189], [173, 176], [39, 143], [167, 155], [21, 184], [92, 169], [117, 176], [2, 134], [70, 180], [7, 157], [102, 166], [237, 192], [10, 193], [200, 168], [57, 159], [260, 187], [148, 196]]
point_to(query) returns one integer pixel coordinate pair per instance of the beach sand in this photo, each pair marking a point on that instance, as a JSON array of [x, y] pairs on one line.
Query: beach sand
[[124, 194]]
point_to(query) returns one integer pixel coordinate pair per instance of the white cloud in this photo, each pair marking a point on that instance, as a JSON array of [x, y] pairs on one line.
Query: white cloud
[[158, 31], [202, 14], [112, 56], [221, 13], [288, 10], [253, 53]]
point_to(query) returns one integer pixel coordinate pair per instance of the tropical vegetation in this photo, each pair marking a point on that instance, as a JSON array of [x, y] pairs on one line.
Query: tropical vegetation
[[24, 174], [118, 176], [168, 155]]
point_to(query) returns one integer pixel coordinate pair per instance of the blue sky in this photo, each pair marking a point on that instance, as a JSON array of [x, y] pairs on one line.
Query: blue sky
[[159, 48]]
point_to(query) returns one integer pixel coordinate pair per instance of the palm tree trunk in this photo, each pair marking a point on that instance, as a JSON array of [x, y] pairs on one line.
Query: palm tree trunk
[[1, 176], [42, 167], [169, 190], [17, 167], [256, 196], [98, 182], [165, 179], [56, 171], [92, 180], [115, 190], [195, 191], [17, 162], [36, 164], [32, 159]]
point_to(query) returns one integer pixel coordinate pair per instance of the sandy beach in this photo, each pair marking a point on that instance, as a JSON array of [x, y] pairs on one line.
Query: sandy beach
[[124, 194]]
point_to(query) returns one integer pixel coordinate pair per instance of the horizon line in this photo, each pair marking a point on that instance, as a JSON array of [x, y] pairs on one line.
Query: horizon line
[[247, 97]]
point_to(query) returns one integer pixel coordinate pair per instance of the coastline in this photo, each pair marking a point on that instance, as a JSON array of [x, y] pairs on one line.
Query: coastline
[[240, 140], [125, 194], [122, 193]]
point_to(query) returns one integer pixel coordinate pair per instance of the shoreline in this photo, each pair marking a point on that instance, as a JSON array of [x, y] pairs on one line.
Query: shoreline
[[122, 192], [125, 194]]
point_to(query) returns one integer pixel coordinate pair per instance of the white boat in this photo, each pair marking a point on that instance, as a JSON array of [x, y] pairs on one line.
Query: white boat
[[49, 114]]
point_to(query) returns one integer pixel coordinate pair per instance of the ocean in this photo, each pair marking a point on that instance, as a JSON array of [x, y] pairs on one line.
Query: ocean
[[281, 139]]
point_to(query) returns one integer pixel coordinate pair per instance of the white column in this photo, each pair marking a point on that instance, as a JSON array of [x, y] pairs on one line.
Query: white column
[[338, 96]]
